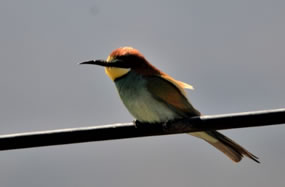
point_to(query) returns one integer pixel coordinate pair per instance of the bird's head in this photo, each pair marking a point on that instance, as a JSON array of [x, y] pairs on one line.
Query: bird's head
[[123, 60]]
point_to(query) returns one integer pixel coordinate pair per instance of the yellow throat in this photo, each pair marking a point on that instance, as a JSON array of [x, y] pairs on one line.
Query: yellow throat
[[115, 73]]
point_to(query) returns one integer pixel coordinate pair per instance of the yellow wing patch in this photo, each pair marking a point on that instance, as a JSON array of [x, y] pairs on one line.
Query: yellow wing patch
[[179, 84], [186, 86]]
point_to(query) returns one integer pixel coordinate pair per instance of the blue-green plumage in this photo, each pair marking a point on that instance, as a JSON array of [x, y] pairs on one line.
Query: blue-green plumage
[[140, 102]]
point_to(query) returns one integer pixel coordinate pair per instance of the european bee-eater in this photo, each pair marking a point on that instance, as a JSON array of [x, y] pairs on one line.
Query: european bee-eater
[[152, 96]]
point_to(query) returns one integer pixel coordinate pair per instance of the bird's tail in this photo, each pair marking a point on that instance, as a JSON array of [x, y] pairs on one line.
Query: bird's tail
[[233, 150]]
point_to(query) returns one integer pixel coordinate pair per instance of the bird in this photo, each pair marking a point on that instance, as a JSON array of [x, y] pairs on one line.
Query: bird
[[152, 96]]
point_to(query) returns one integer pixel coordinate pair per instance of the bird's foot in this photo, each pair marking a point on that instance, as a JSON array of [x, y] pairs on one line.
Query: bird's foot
[[137, 123], [164, 124]]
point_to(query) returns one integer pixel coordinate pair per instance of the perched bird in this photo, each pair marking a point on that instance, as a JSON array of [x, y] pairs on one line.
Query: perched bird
[[152, 96]]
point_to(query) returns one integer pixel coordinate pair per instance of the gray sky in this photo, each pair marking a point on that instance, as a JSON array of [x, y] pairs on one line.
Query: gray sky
[[231, 51]]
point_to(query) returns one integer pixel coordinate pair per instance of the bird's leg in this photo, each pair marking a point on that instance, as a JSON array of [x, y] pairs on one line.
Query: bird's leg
[[137, 123], [165, 124]]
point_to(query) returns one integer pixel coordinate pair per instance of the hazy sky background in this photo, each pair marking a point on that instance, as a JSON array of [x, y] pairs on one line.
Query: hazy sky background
[[233, 52]]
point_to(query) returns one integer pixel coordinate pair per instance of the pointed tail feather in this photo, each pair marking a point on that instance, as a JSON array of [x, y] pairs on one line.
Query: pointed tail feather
[[233, 150]]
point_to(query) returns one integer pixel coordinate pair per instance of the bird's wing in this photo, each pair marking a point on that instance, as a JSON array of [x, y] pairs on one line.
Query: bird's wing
[[179, 84], [172, 94]]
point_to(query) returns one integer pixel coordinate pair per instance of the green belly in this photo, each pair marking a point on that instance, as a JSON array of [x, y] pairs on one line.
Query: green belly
[[139, 101]]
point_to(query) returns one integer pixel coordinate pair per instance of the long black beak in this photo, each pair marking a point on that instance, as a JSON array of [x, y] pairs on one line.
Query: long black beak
[[116, 63]]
